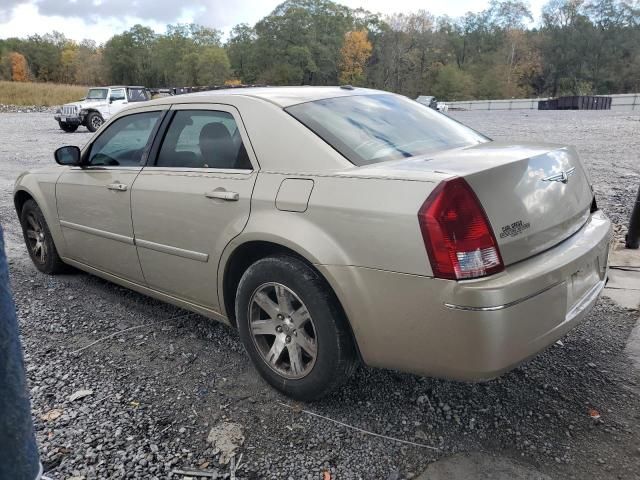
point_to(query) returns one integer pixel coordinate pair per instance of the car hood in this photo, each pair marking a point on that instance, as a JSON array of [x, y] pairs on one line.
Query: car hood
[[86, 103]]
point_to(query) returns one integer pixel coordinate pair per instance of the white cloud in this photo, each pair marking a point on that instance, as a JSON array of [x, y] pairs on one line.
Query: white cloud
[[101, 19], [25, 20]]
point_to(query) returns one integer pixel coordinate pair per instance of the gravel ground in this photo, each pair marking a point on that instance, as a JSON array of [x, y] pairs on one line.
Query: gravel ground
[[4, 108], [158, 390]]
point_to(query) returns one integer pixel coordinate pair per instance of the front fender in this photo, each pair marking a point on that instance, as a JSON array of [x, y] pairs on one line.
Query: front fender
[[41, 186], [86, 111]]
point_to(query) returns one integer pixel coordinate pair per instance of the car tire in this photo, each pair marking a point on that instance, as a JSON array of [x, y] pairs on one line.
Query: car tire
[[39, 241], [309, 358], [68, 127], [93, 121]]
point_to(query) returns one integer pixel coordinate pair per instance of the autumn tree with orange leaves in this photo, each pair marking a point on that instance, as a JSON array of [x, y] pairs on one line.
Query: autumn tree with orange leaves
[[19, 68], [354, 55]]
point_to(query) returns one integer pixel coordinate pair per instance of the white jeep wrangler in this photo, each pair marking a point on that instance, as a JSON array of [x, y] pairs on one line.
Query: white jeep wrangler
[[98, 106]]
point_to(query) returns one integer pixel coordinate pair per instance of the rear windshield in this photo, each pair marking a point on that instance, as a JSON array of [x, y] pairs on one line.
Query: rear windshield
[[369, 129]]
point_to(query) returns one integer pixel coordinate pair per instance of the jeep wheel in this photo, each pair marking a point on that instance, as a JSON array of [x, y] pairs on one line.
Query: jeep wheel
[[68, 127], [293, 328], [94, 121]]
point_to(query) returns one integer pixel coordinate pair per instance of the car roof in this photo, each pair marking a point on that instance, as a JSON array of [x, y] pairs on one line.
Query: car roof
[[281, 96], [120, 86]]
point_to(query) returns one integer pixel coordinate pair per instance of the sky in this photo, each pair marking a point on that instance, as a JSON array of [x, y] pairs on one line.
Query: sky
[[99, 20]]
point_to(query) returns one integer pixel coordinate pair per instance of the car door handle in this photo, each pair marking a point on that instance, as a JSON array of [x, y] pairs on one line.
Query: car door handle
[[118, 187], [223, 195]]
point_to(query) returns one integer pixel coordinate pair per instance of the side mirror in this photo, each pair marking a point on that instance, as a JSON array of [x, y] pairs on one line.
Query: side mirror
[[69, 155], [110, 99]]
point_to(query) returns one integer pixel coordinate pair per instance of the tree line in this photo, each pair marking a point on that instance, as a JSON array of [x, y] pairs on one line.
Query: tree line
[[578, 47]]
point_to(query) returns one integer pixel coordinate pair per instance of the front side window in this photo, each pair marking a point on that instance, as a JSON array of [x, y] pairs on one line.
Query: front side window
[[369, 129], [203, 139], [123, 142], [97, 94], [118, 94]]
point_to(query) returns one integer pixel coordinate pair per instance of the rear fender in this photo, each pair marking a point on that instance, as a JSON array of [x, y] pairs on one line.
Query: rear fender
[[266, 227]]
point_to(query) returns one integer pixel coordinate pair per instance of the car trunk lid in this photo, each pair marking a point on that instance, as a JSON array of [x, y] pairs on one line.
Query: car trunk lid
[[535, 195]]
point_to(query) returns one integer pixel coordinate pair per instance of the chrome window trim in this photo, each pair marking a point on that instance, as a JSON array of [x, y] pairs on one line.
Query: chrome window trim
[[226, 171], [107, 167]]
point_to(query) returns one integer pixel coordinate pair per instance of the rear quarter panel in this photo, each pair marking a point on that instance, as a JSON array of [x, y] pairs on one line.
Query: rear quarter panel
[[375, 221], [366, 222]]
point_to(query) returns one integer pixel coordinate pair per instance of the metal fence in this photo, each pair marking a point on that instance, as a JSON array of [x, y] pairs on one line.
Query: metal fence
[[622, 102]]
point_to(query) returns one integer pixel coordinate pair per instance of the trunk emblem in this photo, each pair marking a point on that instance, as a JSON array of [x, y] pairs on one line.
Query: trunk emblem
[[560, 177]]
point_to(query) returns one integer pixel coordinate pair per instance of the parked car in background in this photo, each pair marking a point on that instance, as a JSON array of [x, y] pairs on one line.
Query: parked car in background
[[99, 105], [442, 107], [330, 225], [428, 100]]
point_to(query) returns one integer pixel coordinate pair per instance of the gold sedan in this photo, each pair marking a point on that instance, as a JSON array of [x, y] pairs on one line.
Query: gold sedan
[[330, 225]]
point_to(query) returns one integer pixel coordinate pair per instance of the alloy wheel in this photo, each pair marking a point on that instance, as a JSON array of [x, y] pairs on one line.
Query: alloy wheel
[[36, 238], [282, 330]]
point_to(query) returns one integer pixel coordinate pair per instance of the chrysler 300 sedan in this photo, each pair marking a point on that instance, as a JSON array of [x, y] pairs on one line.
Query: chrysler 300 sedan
[[330, 225]]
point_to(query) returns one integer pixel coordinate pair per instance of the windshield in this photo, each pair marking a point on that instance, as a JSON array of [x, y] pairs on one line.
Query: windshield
[[97, 94], [375, 128]]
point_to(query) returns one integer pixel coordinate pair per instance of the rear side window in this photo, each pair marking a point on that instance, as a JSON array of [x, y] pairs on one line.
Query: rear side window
[[203, 139], [138, 94], [123, 142], [369, 129]]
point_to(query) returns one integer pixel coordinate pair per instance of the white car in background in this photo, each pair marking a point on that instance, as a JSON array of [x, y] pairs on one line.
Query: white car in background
[[98, 106], [428, 101], [432, 102]]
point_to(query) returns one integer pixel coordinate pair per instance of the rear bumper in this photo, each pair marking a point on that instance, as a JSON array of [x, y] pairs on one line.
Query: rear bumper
[[477, 329]]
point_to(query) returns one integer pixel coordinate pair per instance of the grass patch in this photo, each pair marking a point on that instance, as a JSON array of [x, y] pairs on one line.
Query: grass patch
[[40, 94]]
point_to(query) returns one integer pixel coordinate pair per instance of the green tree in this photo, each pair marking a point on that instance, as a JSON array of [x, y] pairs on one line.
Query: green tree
[[89, 65], [581, 46], [301, 41], [213, 66], [451, 84], [241, 51], [128, 57]]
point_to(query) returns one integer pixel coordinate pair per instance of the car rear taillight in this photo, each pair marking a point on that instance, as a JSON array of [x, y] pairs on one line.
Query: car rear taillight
[[457, 233]]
